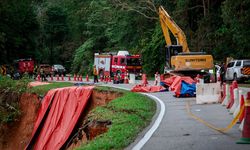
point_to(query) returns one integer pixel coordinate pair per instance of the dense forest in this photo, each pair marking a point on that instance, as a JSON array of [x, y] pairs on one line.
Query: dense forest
[[69, 32]]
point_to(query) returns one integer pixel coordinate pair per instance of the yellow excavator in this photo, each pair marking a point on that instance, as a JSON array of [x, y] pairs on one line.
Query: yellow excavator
[[178, 57]]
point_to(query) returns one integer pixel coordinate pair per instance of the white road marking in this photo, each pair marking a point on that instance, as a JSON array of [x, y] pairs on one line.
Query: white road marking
[[156, 124]]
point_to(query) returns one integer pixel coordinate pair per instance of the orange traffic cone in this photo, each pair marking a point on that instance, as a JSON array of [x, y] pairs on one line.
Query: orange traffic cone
[[57, 77], [80, 77], [110, 79], [144, 80], [62, 77], [69, 79], [38, 77], [51, 77], [246, 128], [126, 78], [87, 78], [74, 77]]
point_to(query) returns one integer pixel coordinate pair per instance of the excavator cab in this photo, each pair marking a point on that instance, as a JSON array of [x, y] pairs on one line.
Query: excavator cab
[[172, 50]]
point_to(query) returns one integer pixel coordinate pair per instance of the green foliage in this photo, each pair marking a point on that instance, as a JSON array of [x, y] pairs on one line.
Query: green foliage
[[129, 114], [10, 92], [18, 30], [154, 52], [83, 57], [71, 31]]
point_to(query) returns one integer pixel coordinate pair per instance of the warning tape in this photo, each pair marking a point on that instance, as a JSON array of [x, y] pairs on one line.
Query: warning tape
[[233, 122]]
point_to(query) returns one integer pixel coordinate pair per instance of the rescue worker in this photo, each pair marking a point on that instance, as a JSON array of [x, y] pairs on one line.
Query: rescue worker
[[95, 73], [222, 73], [43, 74], [35, 72], [156, 78]]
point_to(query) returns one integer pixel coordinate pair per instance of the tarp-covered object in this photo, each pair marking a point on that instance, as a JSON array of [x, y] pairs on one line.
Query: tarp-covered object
[[176, 85], [147, 89], [187, 89], [57, 117]]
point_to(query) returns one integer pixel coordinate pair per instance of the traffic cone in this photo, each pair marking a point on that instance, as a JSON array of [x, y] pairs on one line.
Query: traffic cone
[[62, 77], [231, 101], [87, 78], [101, 78], [242, 104], [78, 78], [110, 79], [223, 93], [126, 78], [74, 77], [235, 84], [69, 79], [144, 80], [57, 77], [51, 77], [81, 78], [245, 139], [38, 77]]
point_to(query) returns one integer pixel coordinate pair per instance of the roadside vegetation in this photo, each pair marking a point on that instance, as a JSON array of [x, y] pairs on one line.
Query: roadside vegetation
[[128, 114], [10, 91]]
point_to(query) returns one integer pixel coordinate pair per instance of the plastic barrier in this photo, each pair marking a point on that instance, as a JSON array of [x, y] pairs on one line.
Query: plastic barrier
[[246, 127], [207, 93], [132, 78], [223, 93], [237, 110], [227, 97], [236, 100]]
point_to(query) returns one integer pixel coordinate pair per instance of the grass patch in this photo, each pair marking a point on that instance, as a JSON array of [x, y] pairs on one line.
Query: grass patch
[[129, 115], [43, 89]]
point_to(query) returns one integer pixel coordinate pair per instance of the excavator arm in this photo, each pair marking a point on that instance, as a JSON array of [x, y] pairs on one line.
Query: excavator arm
[[178, 57], [167, 23]]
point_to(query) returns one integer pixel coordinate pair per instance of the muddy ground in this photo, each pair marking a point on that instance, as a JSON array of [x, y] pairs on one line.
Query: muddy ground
[[16, 135]]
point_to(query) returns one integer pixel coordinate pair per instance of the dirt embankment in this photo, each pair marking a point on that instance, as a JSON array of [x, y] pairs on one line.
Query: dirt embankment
[[17, 134]]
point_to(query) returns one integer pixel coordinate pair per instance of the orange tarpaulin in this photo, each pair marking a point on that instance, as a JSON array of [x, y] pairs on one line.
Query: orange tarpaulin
[[57, 117], [147, 89]]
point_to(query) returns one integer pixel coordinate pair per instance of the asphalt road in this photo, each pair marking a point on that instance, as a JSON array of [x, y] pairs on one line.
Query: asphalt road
[[179, 131]]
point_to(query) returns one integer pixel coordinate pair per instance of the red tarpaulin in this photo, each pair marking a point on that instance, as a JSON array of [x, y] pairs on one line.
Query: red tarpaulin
[[176, 85], [147, 89], [57, 117]]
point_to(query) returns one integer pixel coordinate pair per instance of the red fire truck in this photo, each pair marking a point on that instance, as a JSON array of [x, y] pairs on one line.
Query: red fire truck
[[110, 64]]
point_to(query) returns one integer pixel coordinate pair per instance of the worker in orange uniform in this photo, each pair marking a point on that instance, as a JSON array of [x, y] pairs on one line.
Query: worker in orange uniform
[[95, 75], [156, 78]]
